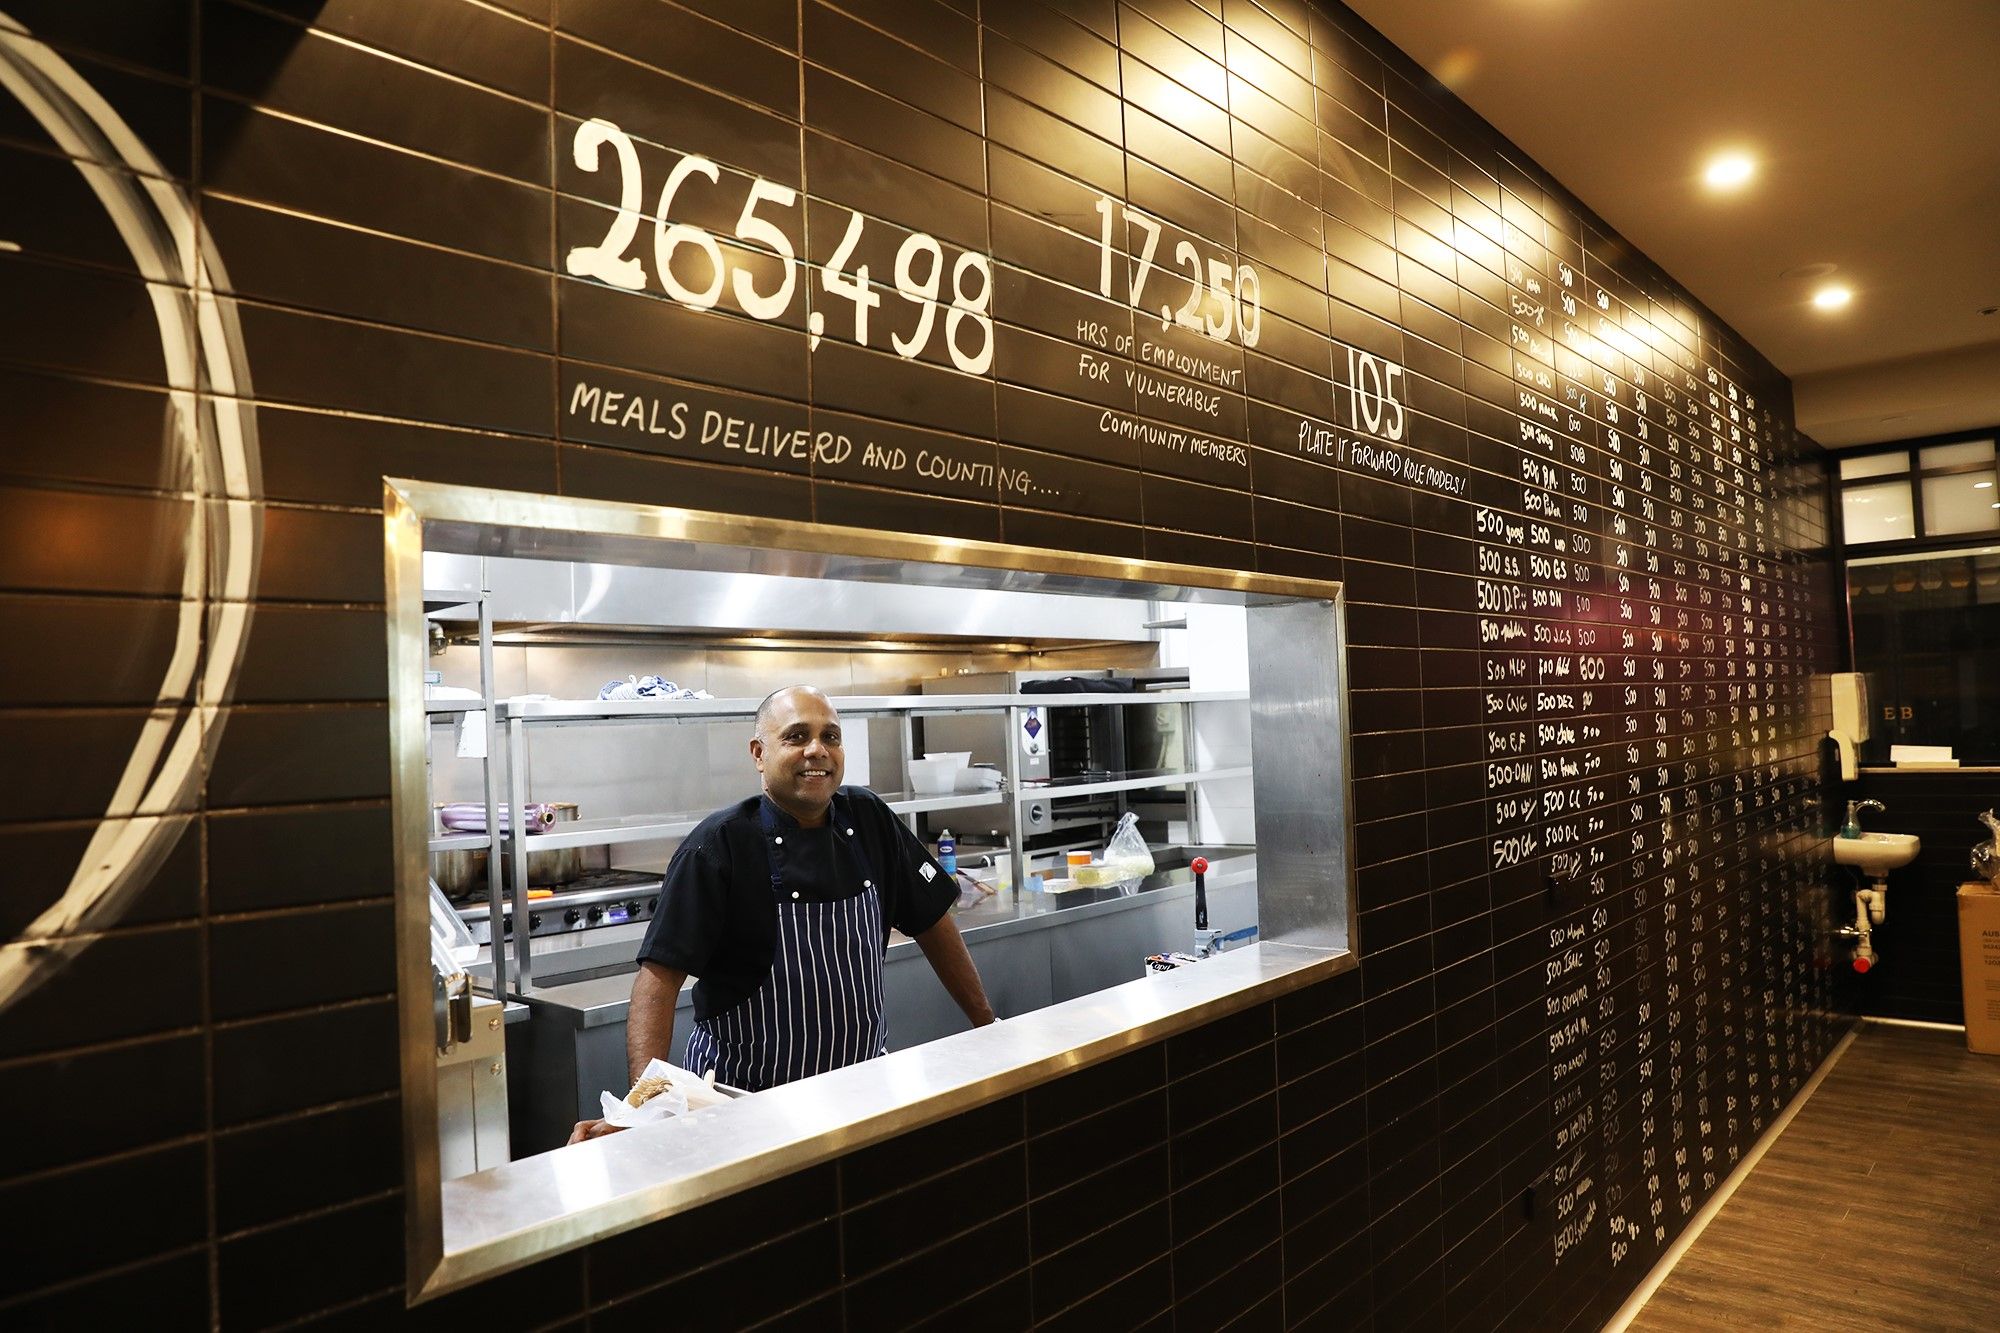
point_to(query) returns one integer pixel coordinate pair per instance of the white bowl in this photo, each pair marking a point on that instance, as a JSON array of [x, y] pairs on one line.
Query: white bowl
[[931, 777], [959, 758]]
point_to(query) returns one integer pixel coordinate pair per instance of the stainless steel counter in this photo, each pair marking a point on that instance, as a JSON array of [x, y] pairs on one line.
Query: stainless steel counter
[[607, 1000], [558, 1201]]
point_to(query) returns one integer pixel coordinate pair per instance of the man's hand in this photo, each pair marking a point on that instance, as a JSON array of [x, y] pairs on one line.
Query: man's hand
[[592, 1129]]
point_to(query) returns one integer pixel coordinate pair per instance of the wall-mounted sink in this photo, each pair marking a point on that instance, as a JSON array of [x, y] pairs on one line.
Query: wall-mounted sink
[[1876, 854]]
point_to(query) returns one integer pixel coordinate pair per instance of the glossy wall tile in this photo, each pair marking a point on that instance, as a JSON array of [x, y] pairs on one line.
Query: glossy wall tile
[[1217, 283]]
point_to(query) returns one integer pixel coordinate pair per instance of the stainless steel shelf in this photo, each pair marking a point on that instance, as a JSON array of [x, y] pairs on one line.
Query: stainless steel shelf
[[648, 828], [1053, 790], [459, 842], [611, 832], [917, 805], [594, 710]]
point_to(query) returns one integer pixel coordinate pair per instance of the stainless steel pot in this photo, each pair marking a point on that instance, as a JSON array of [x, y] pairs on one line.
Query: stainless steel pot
[[463, 873]]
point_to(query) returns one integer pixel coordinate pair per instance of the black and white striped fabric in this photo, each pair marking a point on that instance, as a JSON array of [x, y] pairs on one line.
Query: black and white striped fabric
[[821, 1006]]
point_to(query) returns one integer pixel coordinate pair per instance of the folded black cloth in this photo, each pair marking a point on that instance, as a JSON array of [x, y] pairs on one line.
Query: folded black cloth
[[1080, 685]]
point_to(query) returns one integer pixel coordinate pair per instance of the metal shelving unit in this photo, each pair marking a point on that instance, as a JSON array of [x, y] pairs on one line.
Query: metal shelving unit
[[517, 717], [592, 710], [437, 606]]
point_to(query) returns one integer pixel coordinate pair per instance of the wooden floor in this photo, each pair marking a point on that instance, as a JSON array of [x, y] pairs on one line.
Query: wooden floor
[[1877, 1208]]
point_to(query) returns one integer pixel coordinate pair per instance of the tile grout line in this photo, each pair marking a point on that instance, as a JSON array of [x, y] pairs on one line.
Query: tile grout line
[[1643, 1293]]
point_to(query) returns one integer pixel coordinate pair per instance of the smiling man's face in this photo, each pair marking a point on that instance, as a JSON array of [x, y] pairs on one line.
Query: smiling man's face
[[797, 749]]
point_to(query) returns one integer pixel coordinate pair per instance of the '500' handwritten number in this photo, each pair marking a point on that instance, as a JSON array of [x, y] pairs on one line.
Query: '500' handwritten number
[[607, 261]]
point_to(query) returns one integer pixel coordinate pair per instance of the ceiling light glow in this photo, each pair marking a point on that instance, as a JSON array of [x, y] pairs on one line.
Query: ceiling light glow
[[1726, 171], [1832, 297]]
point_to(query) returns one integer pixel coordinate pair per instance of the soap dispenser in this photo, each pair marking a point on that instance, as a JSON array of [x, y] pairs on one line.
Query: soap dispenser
[[1852, 828]]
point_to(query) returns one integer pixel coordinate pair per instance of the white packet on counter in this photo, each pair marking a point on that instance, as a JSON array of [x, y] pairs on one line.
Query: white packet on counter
[[686, 1092]]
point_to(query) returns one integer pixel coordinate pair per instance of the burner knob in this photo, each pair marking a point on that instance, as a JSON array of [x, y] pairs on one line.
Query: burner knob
[[571, 917], [633, 909], [594, 915], [534, 921]]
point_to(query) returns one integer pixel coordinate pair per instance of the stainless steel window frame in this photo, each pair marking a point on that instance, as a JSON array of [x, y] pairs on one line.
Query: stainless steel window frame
[[473, 1228]]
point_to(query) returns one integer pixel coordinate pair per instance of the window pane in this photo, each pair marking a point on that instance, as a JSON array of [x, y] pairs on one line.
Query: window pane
[[1879, 513], [1875, 465], [1946, 455], [1962, 503]]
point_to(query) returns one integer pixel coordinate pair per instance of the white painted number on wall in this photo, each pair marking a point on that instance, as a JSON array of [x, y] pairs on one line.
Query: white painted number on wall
[[1221, 301], [1375, 395], [919, 275]]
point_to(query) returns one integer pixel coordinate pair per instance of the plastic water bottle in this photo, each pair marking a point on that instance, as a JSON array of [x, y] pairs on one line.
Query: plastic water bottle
[[948, 852]]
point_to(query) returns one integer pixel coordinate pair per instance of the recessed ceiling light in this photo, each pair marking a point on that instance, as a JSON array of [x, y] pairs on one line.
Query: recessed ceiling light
[[1832, 297], [1982, 485], [1726, 171]]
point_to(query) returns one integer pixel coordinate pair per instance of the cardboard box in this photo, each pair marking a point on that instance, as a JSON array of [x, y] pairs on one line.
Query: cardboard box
[[1979, 964]]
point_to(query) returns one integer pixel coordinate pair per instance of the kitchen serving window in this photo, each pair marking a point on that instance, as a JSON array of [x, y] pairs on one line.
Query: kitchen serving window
[[509, 1038]]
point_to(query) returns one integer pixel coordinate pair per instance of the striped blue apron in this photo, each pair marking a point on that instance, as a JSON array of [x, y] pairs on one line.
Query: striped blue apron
[[821, 1006]]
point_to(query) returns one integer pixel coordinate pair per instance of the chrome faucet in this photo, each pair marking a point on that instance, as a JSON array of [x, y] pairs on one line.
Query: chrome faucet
[[1852, 829]]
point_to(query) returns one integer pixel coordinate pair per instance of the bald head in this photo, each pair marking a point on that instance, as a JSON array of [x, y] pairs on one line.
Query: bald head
[[774, 702]]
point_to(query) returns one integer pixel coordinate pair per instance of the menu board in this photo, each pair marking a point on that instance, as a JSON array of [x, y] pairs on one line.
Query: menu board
[[1648, 721]]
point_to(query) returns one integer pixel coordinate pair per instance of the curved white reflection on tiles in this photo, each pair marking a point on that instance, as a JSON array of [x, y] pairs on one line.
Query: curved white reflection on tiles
[[213, 424]]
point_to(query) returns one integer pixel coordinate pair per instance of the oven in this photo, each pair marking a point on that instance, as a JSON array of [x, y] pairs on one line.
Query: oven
[[1056, 744]]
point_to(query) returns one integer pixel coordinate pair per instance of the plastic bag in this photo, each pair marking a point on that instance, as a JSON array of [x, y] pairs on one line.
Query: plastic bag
[[470, 817], [1127, 859], [1986, 855]]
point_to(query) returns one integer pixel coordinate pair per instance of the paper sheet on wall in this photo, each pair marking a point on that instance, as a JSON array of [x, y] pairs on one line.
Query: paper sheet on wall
[[472, 735]]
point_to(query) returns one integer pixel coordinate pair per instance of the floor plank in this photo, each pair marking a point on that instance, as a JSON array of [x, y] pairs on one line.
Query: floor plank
[[1877, 1208]]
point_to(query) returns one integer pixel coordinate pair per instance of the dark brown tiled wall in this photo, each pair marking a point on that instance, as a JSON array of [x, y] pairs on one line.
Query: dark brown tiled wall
[[1501, 1119]]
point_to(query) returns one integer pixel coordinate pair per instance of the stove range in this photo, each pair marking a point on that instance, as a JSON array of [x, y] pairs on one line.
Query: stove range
[[598, 900]]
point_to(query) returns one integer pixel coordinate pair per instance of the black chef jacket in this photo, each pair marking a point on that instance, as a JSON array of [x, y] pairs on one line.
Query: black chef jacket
[[718, 922]]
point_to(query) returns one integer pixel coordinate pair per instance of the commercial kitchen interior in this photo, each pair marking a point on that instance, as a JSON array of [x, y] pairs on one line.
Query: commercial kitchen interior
[[1542, 340]]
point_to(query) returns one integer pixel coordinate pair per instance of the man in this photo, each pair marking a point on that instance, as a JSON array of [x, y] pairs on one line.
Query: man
[[781, 906]]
